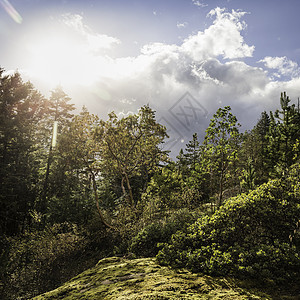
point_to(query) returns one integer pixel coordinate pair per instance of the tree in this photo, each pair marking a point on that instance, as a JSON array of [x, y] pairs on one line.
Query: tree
[[221, 144], [261, 161], [165, 189], [181, 163], [130, 148], [254, 235], [118, 150], [288, 128], [59, 107], [22, 110], [254, 155], [81, 154], [59, 115], [248, 176], [192, 152]]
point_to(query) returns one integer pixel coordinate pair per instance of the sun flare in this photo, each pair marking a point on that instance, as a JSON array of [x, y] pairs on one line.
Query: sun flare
[[61, 60], [69, 53]]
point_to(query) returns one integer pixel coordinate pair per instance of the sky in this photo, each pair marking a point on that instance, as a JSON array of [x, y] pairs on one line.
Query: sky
[[185, 58]]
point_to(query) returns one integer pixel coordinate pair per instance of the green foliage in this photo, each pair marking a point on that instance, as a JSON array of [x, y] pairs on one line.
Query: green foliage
[[146, 242], [116, 164], [57, 120], [220, 148], [170, 189], [253, 234], [284, 136], [39, 260], [248, 176], [192, 152], [21, 111], [70, 194], [130, 150], [254, 154], [165, 188]]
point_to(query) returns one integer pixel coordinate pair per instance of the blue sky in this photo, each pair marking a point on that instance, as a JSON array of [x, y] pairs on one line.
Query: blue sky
[[119, 55]]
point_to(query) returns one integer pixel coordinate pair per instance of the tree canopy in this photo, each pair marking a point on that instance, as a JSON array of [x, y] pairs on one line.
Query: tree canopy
[[74, 187]]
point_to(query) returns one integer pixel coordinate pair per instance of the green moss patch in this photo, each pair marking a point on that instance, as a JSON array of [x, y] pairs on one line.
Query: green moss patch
[[119, 278]]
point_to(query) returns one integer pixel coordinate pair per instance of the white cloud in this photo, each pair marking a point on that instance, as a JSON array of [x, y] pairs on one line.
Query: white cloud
[[161, 73], [158, 48], [209, 65], [283, 65], [182, 25], [94, 40], [222, 38], [199, 3]]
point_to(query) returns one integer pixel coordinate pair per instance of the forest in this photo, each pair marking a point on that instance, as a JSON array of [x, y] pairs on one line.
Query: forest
[[75, 189]]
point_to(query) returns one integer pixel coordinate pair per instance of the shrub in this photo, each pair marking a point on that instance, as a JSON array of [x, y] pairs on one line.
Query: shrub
[[254, 234], [39, 261], [146, 242]]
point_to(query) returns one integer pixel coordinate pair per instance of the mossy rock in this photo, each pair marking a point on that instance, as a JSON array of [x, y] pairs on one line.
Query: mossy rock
[[119, 278]]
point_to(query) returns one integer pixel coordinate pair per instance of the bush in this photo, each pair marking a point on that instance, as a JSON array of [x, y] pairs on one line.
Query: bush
[[254, 234], [146, 242], [39, 261]]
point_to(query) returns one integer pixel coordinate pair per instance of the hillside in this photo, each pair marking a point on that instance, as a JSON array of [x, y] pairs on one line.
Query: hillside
[[119, 278]]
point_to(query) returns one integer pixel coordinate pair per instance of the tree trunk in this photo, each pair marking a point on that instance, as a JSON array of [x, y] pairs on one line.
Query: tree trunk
[[122, 186], [97, 202], [129, 190]]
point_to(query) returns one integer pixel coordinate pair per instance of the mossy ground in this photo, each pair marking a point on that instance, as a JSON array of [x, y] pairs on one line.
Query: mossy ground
[[119, 278]]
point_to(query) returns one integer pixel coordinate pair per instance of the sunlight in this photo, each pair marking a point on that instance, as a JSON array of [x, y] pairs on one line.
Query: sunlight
[[67, 61], [70, 53], [61, 60]]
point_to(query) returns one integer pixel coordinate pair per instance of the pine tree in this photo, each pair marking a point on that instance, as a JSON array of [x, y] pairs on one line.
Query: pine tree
[[255, 149], [284, 135], [59, 116], [221, 145], [288, 129], [21, 110], [181, 163], [192, 152]]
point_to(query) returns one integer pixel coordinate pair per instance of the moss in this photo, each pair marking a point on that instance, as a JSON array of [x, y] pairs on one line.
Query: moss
[[118, 278]]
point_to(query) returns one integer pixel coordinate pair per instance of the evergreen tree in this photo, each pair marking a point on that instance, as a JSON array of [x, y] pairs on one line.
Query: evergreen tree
[[192, 152], [255, 150], [261, 160], [181, 163], [21, 110], [58, 118], [221, 145], [80, 156], [288, 127]]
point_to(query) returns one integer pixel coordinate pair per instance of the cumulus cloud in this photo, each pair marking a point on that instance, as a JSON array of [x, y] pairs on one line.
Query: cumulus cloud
[[186, 83], [162, 73], [282, 65], [223, 37], [194, 65]]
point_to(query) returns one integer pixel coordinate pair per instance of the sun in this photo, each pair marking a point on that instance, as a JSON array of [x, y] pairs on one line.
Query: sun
[[63, 60], [69, 53]]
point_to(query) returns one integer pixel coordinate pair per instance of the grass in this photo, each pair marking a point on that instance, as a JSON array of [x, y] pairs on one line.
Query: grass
[[120, 278]]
